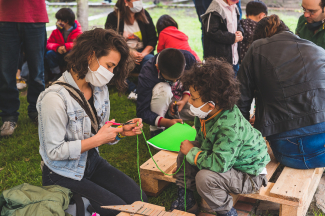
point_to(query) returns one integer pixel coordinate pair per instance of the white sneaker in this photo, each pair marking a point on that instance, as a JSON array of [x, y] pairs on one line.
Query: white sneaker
[[133, 96], [21, 84], [8, 128]]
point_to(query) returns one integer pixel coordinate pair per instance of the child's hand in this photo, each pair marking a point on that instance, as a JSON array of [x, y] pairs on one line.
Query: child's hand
[[186, 146], [62, 49], [180, 105], [169, 122], [239, 37], [133, 129]]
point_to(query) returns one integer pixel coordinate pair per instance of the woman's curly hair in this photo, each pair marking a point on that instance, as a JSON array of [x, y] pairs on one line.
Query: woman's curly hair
[[100, 42], [215, 81]]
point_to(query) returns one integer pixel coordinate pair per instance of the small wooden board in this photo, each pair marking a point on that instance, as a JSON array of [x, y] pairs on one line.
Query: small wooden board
[[152, 210]]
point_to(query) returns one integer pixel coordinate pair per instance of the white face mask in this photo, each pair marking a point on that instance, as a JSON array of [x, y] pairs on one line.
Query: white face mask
[[100, 77], [198, 112], [137, 6]]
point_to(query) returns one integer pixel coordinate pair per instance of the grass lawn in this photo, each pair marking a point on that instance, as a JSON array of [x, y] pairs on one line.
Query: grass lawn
[[20, 160]]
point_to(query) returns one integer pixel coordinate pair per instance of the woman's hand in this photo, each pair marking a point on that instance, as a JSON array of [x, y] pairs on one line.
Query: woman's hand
[[136, 56], [107, 133], [132, 129]]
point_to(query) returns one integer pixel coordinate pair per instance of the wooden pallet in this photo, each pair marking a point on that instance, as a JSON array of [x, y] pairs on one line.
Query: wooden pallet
[[293, 190], [160, 210]]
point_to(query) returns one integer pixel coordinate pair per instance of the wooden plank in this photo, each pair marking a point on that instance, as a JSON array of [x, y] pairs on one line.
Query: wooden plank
[[288, 210], [178, 212], [146, 205], [151, 186], [292, 184], [264, 194], [312, 189], [273, 164], [166, 161]]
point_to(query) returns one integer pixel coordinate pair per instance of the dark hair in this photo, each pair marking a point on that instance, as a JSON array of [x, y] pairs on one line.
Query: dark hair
[[66, 15], [165, 21], [322, 4], [254, 8], [171, 62], [125, 13], [269, 26], [215, 81], [100, 42]]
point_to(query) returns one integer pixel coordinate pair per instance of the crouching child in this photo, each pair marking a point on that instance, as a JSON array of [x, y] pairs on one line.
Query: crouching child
[[228, 154]]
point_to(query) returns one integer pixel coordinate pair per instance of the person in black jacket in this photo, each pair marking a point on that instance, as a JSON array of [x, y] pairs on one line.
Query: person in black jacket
[[159, 87], [135, 24], [222, 31], [286, 75]]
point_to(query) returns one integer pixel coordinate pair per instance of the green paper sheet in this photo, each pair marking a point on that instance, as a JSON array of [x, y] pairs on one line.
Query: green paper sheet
[[171, 138]]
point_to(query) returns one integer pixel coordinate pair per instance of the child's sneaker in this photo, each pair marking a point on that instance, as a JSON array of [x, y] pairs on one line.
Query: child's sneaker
[[133, 96], [232, 212], [21, 84], [191, 205]]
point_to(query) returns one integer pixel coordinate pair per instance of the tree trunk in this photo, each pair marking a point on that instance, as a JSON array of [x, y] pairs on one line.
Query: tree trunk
[[82, 14]]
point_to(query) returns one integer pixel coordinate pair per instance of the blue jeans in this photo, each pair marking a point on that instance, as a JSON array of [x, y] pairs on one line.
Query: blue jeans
[[236, 69], [304, 152], [131, 85], [33, 37], [54, 59]]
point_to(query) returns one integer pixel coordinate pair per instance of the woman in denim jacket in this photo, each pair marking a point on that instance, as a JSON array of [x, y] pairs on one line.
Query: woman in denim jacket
[[68, 146]]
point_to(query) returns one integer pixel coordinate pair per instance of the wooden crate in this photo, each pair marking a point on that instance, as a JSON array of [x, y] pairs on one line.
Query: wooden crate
[[293, 190], [159, 208]]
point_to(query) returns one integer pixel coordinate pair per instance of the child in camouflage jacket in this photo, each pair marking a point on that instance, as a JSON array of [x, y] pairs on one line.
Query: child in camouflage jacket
[[228, 154]]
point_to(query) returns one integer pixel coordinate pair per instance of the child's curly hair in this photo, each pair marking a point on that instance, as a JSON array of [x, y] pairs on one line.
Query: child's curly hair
[[215, 81]]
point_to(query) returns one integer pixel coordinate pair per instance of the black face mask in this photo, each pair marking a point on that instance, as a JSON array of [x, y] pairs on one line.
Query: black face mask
[[314, 26]]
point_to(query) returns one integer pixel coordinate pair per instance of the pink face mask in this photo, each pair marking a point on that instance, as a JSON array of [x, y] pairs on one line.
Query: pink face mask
[[231, 2]]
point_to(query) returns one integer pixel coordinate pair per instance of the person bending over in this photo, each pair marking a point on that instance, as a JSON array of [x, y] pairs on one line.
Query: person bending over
[[228, 154], [159, 87]]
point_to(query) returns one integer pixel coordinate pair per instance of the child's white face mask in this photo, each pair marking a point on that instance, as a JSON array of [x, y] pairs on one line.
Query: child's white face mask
[[198, 112], [100, 77]]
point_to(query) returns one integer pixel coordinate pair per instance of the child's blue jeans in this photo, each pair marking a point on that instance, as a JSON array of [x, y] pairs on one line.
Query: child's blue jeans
[[305, 152]]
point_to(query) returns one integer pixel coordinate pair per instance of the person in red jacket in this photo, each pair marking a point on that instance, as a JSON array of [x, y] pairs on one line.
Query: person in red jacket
[[61, 40], [170, 37]]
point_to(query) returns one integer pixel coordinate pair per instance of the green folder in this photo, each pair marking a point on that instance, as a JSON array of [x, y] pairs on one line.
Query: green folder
[[171, 138]]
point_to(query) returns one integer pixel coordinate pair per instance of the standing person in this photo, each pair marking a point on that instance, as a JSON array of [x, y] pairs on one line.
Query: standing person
[[135, 24], [311, 25], [61, 40], [170, 37], [71, 129], [222, 31], [255, 11], [21, 21], [286, 75], [201, 7], [239, 9]]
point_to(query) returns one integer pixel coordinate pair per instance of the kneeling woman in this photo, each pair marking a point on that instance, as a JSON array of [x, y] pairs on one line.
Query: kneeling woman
[[72, 116]]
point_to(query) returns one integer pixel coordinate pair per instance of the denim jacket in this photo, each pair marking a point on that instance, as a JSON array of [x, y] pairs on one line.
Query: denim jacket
[[62, 124]]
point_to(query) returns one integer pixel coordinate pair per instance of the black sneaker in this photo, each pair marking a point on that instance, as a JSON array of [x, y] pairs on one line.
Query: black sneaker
[[232, 212], [191, 205], [34, 117]]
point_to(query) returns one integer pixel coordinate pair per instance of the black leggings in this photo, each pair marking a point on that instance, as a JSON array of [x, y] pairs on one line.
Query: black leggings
[[102, 185]]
